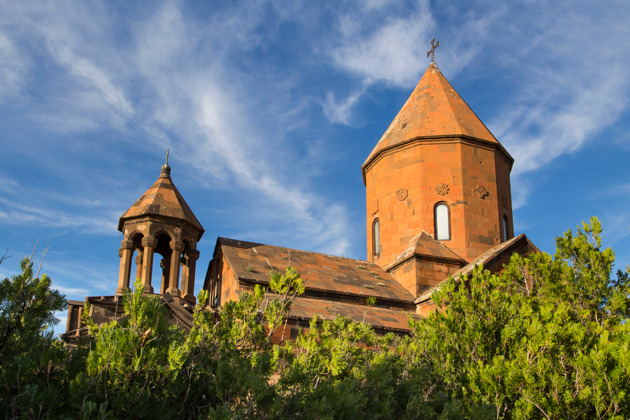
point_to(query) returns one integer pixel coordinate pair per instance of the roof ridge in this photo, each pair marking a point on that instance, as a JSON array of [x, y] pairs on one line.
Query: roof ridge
[[449, 101], [299, 250]]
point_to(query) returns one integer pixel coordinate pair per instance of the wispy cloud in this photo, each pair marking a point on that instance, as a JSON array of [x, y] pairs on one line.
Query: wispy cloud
[[19, 214], [391, 53], [229, 105], [571, 88], [188, 102], [12, 68], [340, 111]]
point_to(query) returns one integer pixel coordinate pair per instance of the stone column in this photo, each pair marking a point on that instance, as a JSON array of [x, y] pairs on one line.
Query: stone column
[[148, 243], [139, 264], [188, 275], [173, 279], [125, 252], [79, 316]]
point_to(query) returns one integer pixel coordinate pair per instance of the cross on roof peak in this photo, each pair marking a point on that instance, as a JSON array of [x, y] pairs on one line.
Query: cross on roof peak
[[431, 52]]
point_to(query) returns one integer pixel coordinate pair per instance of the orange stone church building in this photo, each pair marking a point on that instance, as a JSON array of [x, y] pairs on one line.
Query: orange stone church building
[[438, 202]]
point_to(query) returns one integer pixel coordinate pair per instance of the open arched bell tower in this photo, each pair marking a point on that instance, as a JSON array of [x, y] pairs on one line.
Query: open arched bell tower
[[161, 223]]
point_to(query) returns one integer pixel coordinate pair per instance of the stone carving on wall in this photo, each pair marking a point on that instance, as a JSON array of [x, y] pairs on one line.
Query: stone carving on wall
[[442, 189], [401, 194], [481, 192]]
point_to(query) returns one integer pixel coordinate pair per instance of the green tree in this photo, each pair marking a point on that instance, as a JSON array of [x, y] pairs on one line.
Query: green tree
[[128, 367], [547, 337], [227, 361], [30, 360], [141, 367]]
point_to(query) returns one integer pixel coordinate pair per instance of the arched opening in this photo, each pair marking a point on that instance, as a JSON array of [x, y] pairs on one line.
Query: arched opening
[[162, 266], [442, 222], [376, 237], [136, 239]]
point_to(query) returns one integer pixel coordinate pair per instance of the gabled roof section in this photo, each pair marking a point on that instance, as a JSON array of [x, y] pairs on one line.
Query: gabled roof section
[[162, 199], [323, 275], [434, 109], [492, 260], [423, 245]]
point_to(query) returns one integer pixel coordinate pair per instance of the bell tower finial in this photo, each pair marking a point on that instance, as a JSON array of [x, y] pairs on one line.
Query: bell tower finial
[[166, 170], [431, 52]]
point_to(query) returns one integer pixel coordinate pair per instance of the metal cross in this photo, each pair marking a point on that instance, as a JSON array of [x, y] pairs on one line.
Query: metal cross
[[167, 152], [431, 52]]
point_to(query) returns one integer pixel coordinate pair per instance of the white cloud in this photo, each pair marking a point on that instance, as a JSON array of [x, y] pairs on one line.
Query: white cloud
[[571, 88], [44, 216], [340, 111], [12, 68], [591, 106], [394, 52], [91, 73], [185, 95]]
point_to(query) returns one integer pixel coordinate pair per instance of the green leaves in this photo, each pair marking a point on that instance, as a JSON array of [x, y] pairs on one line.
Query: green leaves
[[548, 337], [542, 338], [30, 361], [288, 284]]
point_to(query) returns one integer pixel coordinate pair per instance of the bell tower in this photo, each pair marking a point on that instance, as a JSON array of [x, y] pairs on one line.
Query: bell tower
[[161, 223], [439, 170]]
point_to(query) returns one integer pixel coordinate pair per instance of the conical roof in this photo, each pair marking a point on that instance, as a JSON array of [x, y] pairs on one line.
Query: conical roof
[[162, 199], [434, 109]]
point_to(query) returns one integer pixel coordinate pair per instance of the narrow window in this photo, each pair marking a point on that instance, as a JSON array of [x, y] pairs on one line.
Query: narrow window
[[442, 222], [506, 232], [376, 237]]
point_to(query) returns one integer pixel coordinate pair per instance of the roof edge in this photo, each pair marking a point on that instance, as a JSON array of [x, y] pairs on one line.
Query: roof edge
[[372, 157], [327, 291], [466, 270], [395, 263]]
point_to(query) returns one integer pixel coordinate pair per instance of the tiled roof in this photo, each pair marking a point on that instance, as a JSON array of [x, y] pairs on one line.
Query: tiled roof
[[486, 259], [162, 199], [434, 109], [424, 245], [304, 308], [323, 274]]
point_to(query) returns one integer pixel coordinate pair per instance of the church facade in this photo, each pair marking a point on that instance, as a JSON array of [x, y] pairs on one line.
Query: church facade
[[438, 202]]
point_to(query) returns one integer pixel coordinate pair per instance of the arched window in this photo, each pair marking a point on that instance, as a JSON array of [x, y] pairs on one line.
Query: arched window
[[442, 222], [506, 232], [376, 237]]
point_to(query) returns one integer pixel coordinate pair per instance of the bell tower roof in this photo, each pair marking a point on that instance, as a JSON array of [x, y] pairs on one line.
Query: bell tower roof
[[162, 199], [433, 110]]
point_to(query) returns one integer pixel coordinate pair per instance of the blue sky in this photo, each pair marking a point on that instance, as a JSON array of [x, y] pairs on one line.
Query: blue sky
[[270, 108]]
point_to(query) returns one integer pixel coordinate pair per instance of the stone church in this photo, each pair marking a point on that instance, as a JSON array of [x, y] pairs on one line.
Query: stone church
[[438, 202]]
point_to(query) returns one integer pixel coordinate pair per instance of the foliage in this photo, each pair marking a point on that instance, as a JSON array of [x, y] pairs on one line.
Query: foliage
[[141, 367], [30, 360], [128, 366], [343, 369], [547, 337]]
